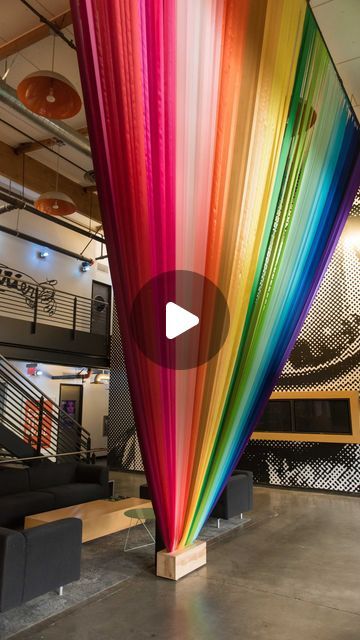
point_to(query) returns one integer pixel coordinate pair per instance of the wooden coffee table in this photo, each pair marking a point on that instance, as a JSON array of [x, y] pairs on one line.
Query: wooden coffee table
[[99, 517]]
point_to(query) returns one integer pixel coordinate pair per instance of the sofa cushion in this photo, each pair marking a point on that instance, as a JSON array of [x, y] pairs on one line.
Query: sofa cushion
[[51, 474], [13, 481], [15, 507], [76, 493], [91, 473]]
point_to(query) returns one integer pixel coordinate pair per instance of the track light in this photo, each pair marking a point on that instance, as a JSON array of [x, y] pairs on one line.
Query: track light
[[85, 266]]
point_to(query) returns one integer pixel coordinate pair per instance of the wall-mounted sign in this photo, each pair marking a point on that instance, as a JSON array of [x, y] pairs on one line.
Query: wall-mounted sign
[[14, 281], [31, 423]]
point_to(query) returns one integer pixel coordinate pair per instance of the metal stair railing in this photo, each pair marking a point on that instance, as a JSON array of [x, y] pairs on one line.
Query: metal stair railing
[[32, 416], [43, 304]]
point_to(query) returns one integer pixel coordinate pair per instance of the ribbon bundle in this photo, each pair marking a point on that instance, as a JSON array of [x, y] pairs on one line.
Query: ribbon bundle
[[223, 144]]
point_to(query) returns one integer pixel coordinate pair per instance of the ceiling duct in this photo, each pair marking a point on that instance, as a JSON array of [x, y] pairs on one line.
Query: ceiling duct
[[57, 129], [73, 376]]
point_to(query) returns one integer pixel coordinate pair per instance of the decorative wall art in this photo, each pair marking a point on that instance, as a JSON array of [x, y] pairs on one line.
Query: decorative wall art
[[224, 145], [31, 423], [17, 282], [326, 354]]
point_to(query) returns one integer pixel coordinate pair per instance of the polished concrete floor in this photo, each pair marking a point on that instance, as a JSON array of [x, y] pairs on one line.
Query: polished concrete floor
[[292, 573]]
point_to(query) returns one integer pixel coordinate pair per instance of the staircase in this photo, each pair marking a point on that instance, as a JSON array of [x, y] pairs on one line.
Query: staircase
[[33, 426]]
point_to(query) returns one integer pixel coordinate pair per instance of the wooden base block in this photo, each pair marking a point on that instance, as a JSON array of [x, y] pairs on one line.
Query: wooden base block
[[176, 564]]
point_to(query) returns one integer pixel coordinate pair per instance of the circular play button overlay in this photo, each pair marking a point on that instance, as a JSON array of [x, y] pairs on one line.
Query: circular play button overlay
[[180, 319]]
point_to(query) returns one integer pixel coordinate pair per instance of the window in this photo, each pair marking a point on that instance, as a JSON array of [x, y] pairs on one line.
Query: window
[[310, 415], [322, 416], [276, 417]]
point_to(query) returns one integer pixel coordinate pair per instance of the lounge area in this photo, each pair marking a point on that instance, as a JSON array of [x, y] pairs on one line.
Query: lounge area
[[70, 571], [64, 505], [266, 540]]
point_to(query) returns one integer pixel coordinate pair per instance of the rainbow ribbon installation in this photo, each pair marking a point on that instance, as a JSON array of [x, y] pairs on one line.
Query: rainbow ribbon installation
[[223, 144]]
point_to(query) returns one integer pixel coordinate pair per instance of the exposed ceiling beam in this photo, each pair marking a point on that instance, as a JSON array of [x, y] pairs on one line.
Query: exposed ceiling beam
[[15, 201], [29, 147], [40, 178], [34, 35], [44, 243]]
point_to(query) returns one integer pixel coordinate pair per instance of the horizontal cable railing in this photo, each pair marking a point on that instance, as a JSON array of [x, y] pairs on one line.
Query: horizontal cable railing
[[43, 304], [32, 416], [10, 459]]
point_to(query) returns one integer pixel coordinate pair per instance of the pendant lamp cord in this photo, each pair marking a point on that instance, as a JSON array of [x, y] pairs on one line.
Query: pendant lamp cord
[[90, 211], [57, 170], [22, 192], [53, 53]]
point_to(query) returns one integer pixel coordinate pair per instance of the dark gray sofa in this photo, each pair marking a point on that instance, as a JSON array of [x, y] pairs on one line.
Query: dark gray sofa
[[237, 496], [38, 560], [48, 486]]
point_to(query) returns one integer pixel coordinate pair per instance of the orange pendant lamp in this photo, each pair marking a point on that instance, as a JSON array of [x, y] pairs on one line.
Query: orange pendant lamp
[[55, 203], [49, 94]]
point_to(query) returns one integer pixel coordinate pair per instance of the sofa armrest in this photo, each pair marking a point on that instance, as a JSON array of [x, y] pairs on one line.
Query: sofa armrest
[[92, 473], [144, 492], [236, 497], [12, 567], [53, 554], [245, 472]]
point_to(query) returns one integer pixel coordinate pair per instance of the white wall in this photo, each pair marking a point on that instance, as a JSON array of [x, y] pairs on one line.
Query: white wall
[[22, 255], [95, 397]]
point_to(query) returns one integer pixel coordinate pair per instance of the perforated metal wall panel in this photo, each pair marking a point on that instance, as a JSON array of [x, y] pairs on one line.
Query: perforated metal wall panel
[[307, 465], [123, 445]]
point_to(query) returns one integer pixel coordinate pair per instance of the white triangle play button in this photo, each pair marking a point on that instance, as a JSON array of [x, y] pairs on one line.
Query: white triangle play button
[[178, 320]]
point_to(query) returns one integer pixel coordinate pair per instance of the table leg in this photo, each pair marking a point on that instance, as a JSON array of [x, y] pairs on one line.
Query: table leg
[[141, 546]]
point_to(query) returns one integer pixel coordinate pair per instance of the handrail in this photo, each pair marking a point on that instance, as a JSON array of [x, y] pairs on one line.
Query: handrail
[[41, 393], [54, 455], [49, 288], [41, 303], [43, 424]]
